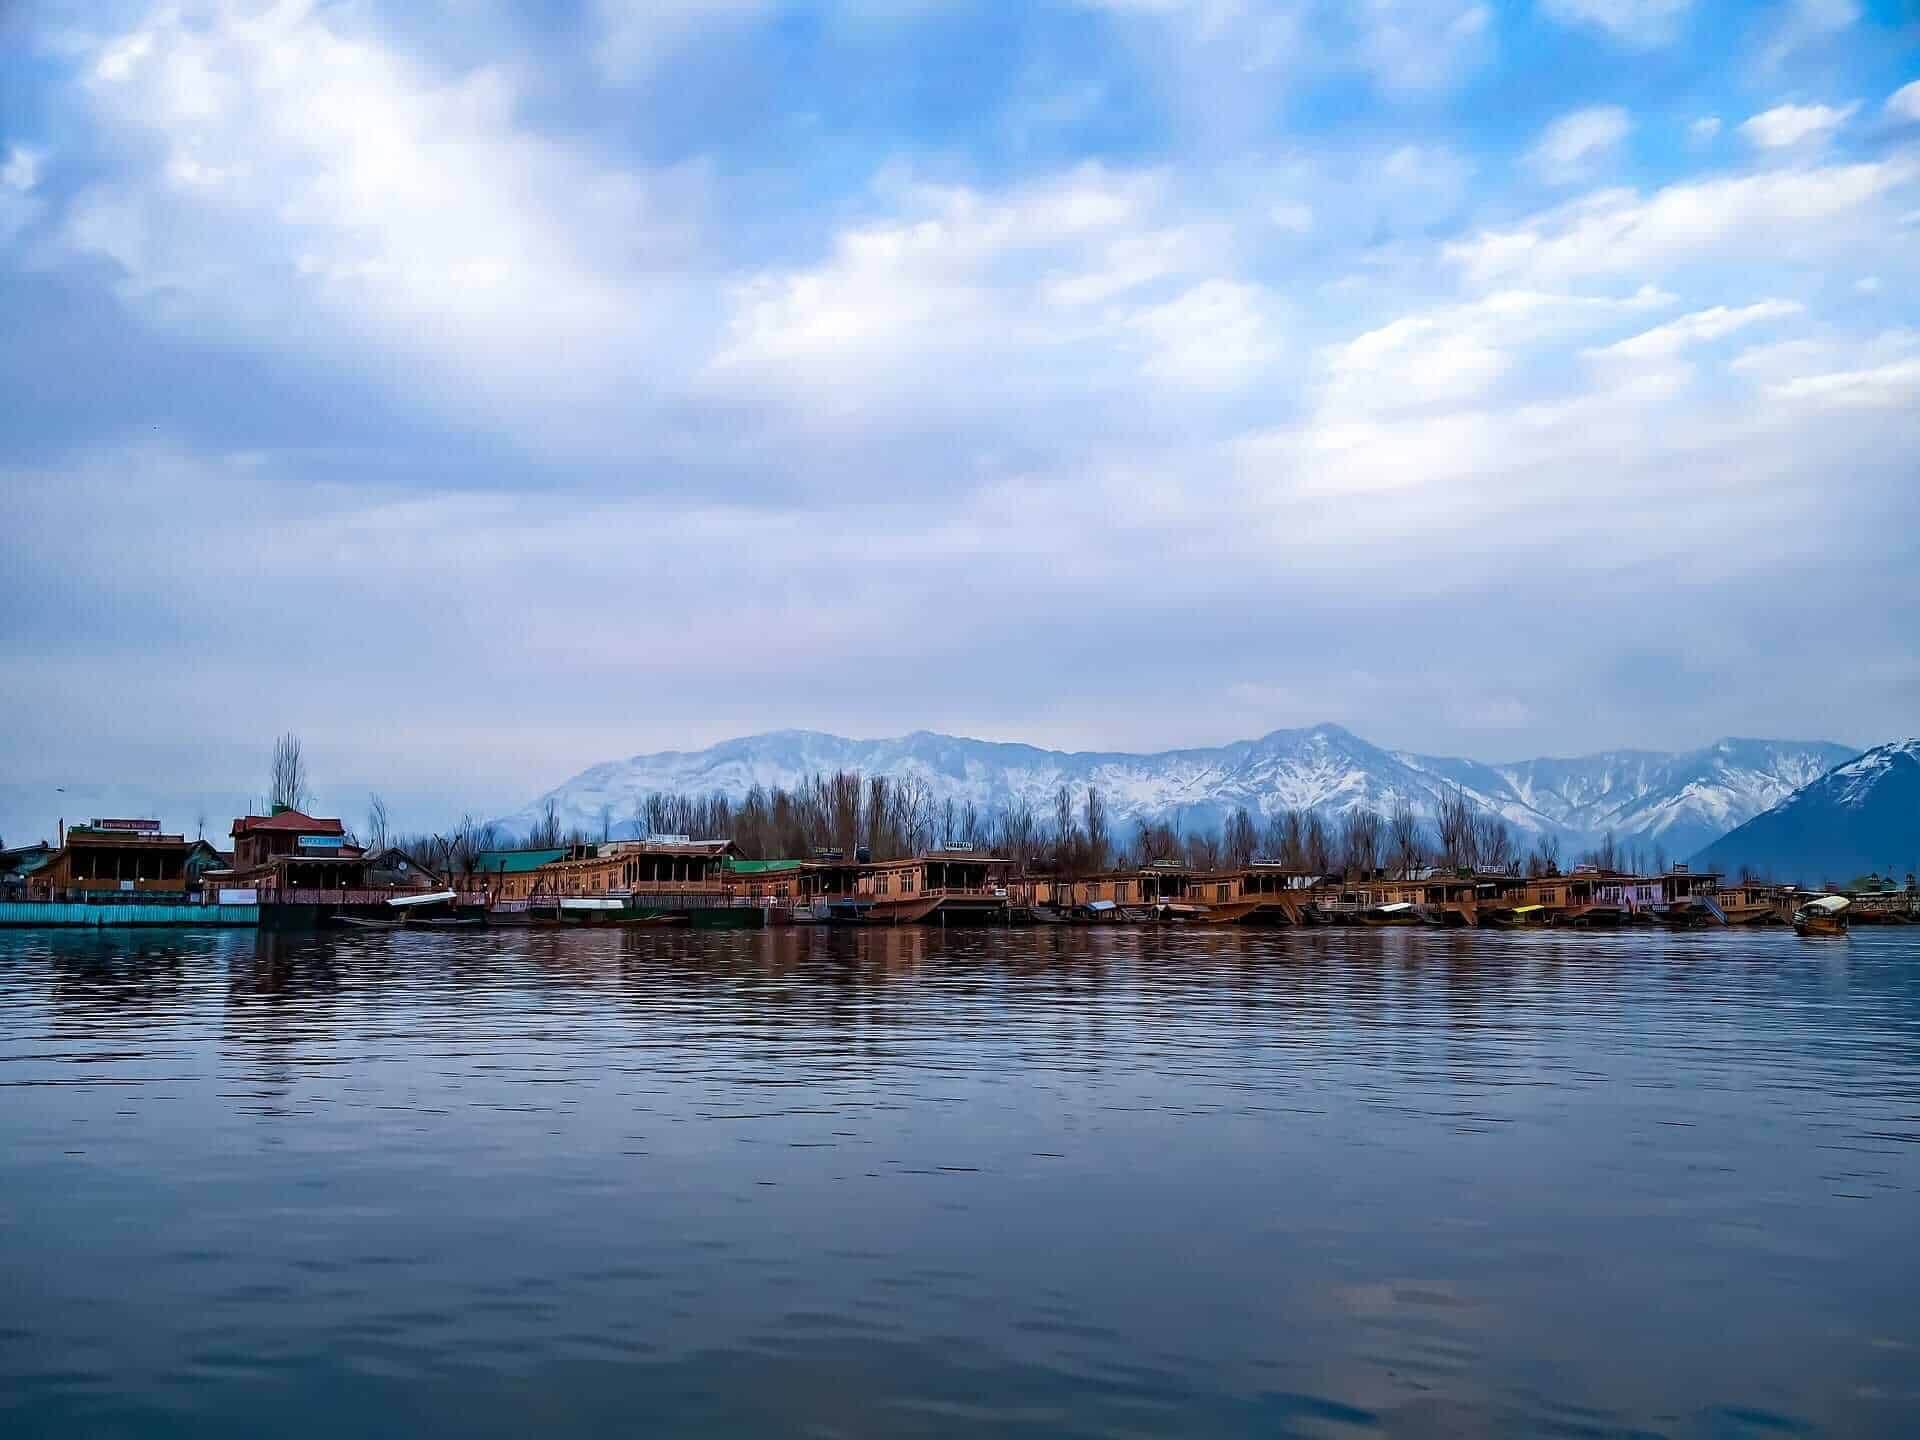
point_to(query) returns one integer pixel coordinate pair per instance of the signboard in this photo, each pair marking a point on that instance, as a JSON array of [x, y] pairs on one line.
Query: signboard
[[138, 827], [322, 842], [239, 897], [126, 884]]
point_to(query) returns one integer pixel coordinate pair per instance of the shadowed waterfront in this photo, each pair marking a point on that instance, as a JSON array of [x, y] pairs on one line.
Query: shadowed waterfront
[[1058, 1181]]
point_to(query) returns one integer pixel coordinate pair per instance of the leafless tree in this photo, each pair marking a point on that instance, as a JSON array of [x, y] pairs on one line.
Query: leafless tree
[[1016, 831], [1493, 847], [946, 821], [545, 834], [1404, 839], [1203, 850], [1241, 839], [377, 823], [1550, 854], [1066, 834], [1362, 841], [1459, 848], [1316, 845], [200, 825], [287, 788], [1660, 862], [1607, 857], [1099, 839]]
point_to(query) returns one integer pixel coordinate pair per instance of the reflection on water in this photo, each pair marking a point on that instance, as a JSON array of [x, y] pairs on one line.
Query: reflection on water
[[1060, 1181]]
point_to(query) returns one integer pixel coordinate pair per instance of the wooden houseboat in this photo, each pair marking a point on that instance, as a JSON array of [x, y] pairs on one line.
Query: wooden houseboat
[[941, 887]]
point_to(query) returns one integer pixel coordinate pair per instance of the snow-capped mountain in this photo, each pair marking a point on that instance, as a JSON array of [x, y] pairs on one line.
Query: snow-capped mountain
[[1858, 817], [1677, 801]]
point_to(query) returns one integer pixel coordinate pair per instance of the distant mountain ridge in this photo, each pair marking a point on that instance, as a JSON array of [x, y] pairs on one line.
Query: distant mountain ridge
[[1678, 800], [1858, 817]]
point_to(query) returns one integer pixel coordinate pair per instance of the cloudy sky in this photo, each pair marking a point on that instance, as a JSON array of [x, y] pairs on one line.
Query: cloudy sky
[[483, 389]]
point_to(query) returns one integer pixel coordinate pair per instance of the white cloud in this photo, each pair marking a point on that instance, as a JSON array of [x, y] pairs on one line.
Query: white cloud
[[1882, 387], [1704, 130], [1868, 285], [1639, 24], [1669, 339], [1773, 214], [1571, 146], [1786, 125], [311, 188], [1454, 354], [963, 293], [1904, 103], [1214, 336]]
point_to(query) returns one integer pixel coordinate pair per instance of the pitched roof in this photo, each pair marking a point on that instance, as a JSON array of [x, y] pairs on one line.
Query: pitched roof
[[291, 821]]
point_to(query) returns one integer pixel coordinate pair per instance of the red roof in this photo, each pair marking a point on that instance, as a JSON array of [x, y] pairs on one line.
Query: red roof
[[291, 821]]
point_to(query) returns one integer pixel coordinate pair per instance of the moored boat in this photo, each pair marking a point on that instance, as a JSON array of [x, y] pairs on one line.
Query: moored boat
[[1825, 916], [1395, 912]]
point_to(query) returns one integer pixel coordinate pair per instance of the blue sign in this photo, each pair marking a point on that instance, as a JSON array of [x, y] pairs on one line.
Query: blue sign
[[322, 842]]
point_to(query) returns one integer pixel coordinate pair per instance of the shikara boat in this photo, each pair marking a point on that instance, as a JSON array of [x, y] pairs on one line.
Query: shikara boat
[[1519, 917], [1825, 916], [1397, 912]]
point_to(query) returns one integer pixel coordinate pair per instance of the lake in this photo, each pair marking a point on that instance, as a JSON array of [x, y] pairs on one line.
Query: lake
[[905, 1182]]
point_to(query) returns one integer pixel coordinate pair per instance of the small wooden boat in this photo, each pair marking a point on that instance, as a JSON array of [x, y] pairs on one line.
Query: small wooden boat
[[1517, 917], [1396, 912], [1825, 916]]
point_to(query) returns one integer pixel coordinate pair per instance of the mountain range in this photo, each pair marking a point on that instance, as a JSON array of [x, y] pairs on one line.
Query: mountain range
[[1678, 801], [1859, 817]]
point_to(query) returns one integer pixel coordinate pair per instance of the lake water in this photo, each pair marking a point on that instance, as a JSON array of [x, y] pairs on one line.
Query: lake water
[[905, 1182]]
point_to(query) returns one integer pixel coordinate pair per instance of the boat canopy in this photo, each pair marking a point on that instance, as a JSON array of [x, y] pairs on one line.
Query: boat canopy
[[430, 897], [1395, 907], [1101, 905], [591, 902], [1828, 904], [1528, 909]]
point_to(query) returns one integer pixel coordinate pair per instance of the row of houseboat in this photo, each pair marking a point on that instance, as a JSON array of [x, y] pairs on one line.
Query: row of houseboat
[[304, 869]]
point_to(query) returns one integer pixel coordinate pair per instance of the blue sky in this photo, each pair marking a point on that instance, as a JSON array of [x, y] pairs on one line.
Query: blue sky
[[482, 390]]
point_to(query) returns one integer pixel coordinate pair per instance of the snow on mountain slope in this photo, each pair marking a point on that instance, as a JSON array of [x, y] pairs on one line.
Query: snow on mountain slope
[[1858, 817], [1678, 800]]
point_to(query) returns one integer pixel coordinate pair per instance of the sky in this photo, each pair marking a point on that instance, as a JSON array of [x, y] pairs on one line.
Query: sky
[[481, 389]]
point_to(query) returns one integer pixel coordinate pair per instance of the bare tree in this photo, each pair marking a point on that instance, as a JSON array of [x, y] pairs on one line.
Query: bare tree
[[200, 825], [1459, 848], [1404, 838], [287, 789], [1203, 850], [1362, 841], [1607, 857], [1099, 838], [545, 834], [1240, 839], [1550, 854], [1493, 847], [377, 822], [1316, 844], [1066, 834], [606, 823]]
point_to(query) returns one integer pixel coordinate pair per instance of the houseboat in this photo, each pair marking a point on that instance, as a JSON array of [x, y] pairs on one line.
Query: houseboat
[[949, 886]]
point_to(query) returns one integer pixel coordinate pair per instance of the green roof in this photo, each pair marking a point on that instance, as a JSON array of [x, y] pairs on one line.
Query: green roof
[[762, 867], [515, 862]]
